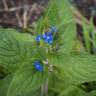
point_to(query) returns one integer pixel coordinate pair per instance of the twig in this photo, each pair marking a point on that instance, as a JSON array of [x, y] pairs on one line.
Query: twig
[[25, 19], [32, 10], [19, 20], [5, 4], [16, 8]]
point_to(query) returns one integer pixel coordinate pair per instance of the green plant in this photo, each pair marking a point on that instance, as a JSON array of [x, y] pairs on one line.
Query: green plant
[[89, 33], [36, 67]]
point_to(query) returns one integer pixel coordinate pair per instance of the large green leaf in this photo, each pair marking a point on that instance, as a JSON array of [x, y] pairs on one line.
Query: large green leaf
[[15, 48], [65, 12], [68, 37], [52, 13], [22, 37], [75, 69], [72, 91], [67, 26], [56, 84], [4, 85], [59, 86], [41, 25], [26, 81], [92, 93]]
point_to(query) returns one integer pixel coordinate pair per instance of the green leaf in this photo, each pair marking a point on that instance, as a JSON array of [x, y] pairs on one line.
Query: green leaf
[[73, 90], [52, 13], [68, 37], [35, 93], [64, 10], [92, 93], [4, 85], [59, 86], [75, 68], [26, 81], [56, 84], [93, 36], [87, 38], [41, 26], [67, 26], [15, 48], [22, 37]]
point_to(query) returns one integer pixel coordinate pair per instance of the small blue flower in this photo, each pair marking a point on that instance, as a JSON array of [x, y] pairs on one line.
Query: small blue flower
[[44, 36], [38, 66], [45, 40], [48, 36], [38, 38], [48, 39], [53, 29]]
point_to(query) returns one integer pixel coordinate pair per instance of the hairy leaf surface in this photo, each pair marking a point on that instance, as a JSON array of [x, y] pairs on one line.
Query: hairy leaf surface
[[26, 81], [75, 69], [15, 48]]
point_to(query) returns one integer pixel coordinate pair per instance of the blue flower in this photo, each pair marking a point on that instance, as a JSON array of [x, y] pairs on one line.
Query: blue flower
[[48, 38], [53, 29], [44, 36], [50, 41], [38, 38], [38, 66]]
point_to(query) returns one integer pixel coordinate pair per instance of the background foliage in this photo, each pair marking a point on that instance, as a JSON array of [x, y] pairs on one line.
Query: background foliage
[[70, 69]]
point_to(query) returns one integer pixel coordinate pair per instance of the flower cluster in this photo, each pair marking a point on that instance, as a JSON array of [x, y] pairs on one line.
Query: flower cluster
[[48, 36], [38, 66]]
